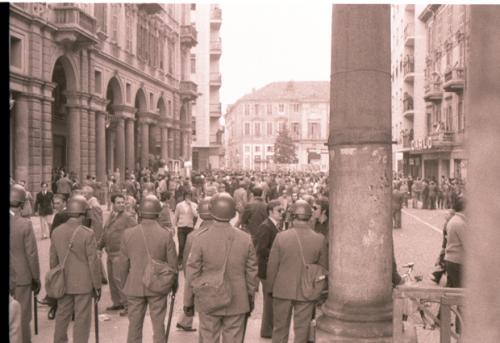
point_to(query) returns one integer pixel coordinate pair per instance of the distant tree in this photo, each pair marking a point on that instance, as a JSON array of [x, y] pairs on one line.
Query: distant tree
[[284, 149]]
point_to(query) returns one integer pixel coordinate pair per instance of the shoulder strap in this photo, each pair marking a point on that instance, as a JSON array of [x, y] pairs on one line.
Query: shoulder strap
[[145, 243], [231, 238], [300, 246], [70, 245]]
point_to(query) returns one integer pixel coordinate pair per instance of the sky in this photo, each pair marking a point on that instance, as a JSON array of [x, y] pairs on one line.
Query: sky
[[263, 43]]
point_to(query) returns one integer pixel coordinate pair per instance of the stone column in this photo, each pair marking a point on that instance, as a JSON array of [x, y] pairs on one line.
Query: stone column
[[47, 150], [84, 143], [164, 143], [74, 140], [21, 147], [110, 150], [35, 143], [171, 144], [100, 146], [92, 138], [120, 146], [482, 276], [144, 144], [129, 145], [359, 304]]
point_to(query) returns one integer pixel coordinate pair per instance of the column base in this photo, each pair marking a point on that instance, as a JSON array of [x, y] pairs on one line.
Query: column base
[[330, 329]]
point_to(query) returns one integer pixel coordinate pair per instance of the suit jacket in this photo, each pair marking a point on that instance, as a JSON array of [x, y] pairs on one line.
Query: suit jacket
[[134, 256], [64, 185], [266, 233], [113, 231], [285, 267], [59, 218], [43, 203], [206, 259], [82, 271], [24, 252], [253, 215]]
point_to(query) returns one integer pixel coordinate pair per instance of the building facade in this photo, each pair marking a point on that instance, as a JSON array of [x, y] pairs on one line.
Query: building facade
[[208, 149], [429, 55], [99, 87], [254, 121]]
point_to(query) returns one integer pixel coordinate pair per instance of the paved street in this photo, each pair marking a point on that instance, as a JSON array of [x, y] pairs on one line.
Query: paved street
[[418, 241]]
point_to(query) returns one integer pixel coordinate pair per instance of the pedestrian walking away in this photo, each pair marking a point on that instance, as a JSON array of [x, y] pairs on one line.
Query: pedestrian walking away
[[43, 206]]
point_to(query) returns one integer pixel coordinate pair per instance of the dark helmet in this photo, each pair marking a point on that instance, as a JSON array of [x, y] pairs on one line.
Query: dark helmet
[[150, 207], [301, 210], [309, 198], [77, 205], [17, 195], [204, 209], [222, 207]]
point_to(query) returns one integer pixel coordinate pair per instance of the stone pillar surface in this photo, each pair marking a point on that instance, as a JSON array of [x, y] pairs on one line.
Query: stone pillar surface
[[359, 304], [482, 271], [84, 143], [21, 147], [144, 144], [110, 149], [164, 143], [100, 142], [92, 145], [130, 145], [47, 151], [35, 143], [74, 140], [171, 144], [120, 146]]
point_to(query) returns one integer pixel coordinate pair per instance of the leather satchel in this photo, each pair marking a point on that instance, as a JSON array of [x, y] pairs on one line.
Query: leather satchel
[[158, 276], [55, 286], [213, 294], [314, 277]]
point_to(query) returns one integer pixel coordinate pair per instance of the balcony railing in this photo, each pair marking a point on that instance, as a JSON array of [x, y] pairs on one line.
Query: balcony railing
[[151, 8], [189, 90], [188, 35], [417, 299], [409, 34], [215, 110], [433, 91], [215, 79], [216, 47], [454, 79], [73, 17]]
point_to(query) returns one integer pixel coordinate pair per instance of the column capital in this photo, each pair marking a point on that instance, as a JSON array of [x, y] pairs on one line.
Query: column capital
[[124, 110], [77, 99]]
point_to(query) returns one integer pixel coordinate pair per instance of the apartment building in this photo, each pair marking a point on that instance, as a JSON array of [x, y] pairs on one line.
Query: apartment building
[[429, 56], [254, 121], [207, 133], [99, 87]]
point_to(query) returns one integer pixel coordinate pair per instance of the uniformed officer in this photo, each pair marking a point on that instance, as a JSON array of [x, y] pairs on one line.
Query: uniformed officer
[[133, 263], [24, 253], [205, 262], [284, 273], [205, 219], [82, 275]]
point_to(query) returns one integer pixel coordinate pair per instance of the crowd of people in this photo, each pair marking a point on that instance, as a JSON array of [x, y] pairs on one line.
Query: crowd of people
[[277, 214]]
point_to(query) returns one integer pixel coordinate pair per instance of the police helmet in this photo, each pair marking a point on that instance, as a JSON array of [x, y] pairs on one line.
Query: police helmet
[[150, 207], [301, 210], [204, 209], [222, 207], [77, 205]]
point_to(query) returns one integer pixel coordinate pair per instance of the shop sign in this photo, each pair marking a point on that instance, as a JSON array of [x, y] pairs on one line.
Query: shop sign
[[421, 144]]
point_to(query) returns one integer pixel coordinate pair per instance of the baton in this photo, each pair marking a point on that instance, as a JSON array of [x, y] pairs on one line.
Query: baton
[[35, 308], [245, 326], [172, 300], [96, 321]]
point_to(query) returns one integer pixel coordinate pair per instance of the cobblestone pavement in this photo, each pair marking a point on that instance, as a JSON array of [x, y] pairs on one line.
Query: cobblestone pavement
[[418, 241]]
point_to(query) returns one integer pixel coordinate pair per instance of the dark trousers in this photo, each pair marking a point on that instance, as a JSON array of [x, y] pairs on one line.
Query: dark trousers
[[454, 280], [182, 233], [396, 218], [266, 326]]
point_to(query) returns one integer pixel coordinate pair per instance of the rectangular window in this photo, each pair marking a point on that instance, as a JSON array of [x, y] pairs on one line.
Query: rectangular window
[[257, 148], [16, 52], [151, 100], [193, 127], [269, 128], [128, 28], [296, 108], [171, 56], [269, 109], [128, 92], [193, 63], [460, 114], [449, 117], [295, 130], [101, 16], [247, 129], [429, 123], [247, 109], [281, 108], [269, 148], [281, 126], [313, 130], [114, 22], [257, 129], [97, 81], [256, 109], [247, 148]]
